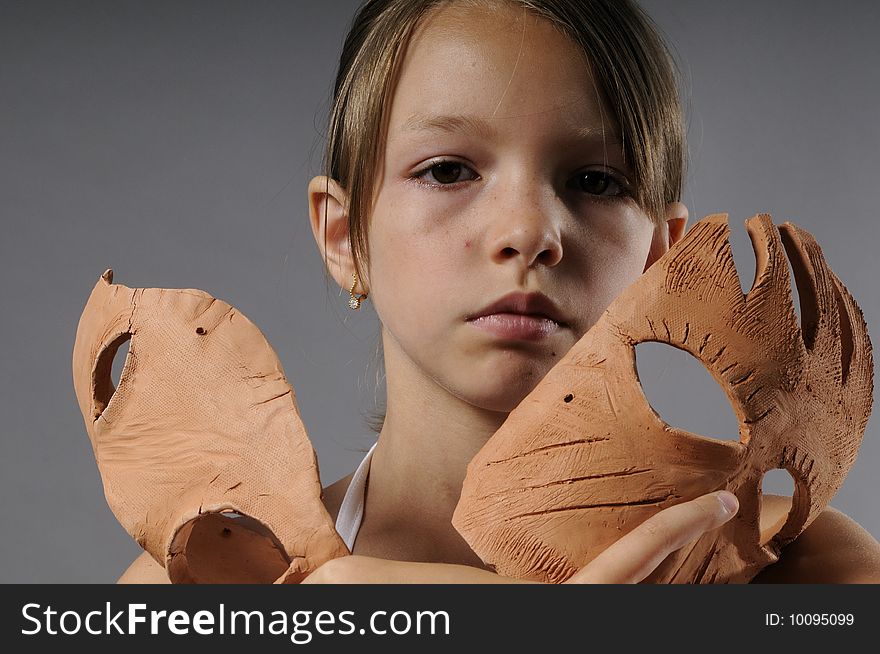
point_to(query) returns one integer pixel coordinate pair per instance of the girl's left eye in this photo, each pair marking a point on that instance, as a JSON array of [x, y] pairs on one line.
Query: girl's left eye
[[600, 183], [445, 173]]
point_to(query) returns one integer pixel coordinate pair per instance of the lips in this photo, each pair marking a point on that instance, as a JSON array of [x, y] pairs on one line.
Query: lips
[[528, 304]]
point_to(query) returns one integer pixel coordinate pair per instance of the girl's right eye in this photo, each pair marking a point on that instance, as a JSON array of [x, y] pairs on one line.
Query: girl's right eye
[[445, 173]]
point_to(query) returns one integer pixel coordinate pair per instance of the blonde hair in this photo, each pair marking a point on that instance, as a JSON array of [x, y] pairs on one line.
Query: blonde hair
[[633, 69]]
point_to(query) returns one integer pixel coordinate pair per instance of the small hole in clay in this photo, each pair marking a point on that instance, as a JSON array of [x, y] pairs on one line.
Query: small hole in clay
[[200, 330], [743, 252], [119, 362], [846, 334], [226, 531], [683, 392], [777, 490], [568, 398], [795, 296], [108, 371], [803, 293]]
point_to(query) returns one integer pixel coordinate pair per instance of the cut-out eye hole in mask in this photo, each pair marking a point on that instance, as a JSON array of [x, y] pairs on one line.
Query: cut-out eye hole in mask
[[584, 459], [201, 448]]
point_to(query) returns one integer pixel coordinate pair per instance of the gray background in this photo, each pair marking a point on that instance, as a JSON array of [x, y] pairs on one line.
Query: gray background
[[172, 141]]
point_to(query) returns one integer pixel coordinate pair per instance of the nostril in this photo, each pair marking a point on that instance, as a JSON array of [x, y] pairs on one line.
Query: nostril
[[549, 257]]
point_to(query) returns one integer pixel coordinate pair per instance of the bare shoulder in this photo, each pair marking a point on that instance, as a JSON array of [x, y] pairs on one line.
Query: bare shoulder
[[144, 570], [834, 549]]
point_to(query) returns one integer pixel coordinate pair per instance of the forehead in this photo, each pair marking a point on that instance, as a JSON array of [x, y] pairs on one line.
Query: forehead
[[501, 64]]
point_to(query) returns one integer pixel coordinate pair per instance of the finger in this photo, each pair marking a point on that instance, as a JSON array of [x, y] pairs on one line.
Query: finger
[[635, 555]]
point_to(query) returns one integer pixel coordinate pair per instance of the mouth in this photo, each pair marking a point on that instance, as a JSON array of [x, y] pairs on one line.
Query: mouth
[[535, 307], [517, 326]]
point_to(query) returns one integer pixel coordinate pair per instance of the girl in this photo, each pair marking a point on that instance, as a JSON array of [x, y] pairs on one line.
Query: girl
[[531, 150]]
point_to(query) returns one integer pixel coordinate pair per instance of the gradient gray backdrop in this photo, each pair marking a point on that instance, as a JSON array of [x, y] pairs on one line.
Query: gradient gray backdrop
[[173, 141]]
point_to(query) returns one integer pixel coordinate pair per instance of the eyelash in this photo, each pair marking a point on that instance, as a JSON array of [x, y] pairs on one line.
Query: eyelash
[[624, 192]]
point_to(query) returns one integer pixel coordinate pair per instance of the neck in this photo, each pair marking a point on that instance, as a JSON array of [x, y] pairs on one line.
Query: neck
[[418, 467]]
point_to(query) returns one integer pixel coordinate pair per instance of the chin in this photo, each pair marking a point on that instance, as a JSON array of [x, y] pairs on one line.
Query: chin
[[506, 394], [500, 380]]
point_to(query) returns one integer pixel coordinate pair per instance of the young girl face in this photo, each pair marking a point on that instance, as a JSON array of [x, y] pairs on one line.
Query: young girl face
[[502, 173]]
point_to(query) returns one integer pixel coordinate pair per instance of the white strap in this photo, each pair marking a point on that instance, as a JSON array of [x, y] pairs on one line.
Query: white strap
[[351, 512]]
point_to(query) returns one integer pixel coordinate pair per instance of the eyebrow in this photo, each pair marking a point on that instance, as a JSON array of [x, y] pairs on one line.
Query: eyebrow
[[474, 124]]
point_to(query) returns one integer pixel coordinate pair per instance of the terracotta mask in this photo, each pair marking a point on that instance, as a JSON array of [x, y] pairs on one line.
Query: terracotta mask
[[584, 458], [203, 455]]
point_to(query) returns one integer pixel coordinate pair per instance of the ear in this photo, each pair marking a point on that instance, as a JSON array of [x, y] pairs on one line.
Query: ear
[[328, 215], [667, 233]]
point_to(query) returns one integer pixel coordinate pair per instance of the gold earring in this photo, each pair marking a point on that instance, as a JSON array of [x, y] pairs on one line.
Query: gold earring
[[355, 301]]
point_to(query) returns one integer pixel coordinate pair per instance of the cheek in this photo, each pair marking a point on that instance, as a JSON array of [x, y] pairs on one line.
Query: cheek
[[415, 274], [628, 235], [613, 257], [417, 239], [626, 229]]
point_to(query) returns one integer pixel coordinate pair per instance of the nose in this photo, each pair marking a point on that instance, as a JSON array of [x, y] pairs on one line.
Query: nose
[[524, 225]]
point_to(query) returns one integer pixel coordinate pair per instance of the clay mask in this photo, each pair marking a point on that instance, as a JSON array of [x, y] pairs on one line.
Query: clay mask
[[584, 458], [203, 455]]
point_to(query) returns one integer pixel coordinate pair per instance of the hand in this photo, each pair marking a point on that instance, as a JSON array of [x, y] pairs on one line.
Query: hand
[[635, 556], [630, 560]]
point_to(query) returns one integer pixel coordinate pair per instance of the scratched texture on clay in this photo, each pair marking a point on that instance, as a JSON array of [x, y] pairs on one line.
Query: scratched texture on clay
[[201, 449], [584, 458]]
